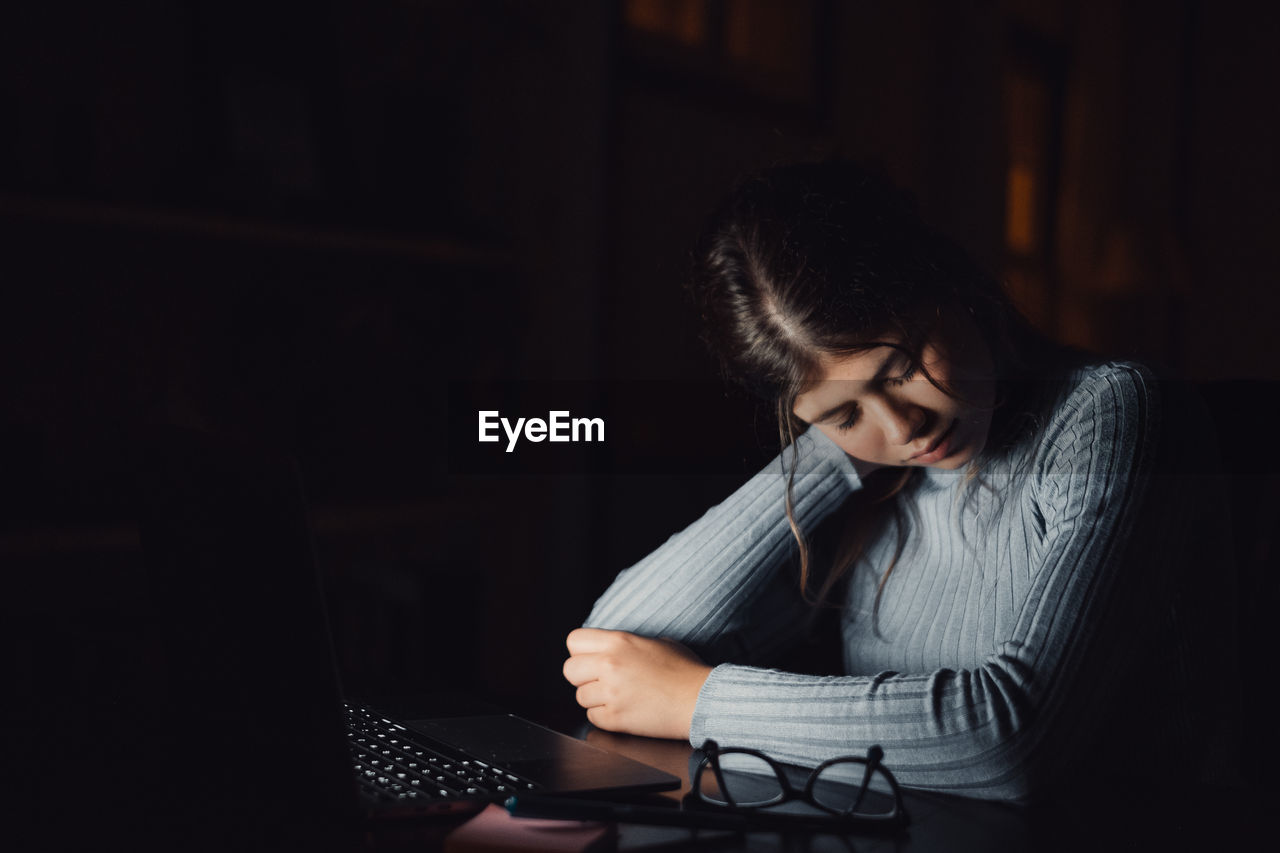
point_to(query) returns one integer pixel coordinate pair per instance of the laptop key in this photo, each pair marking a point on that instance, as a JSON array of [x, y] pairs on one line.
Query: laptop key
[[394, 767]]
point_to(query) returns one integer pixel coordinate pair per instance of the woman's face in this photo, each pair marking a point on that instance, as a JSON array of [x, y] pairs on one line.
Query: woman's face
[[880, 409]]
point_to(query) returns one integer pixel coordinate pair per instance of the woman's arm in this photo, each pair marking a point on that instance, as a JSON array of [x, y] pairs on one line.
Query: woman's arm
[[999, 729], [695, 588]]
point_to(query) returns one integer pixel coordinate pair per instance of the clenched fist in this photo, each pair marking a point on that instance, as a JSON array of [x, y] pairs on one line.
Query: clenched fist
[[635, 684]]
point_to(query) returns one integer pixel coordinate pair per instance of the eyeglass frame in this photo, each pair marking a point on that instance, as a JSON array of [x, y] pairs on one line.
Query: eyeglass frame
[[711, 752]]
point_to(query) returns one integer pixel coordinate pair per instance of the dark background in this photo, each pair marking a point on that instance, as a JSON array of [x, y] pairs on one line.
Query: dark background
[[334, 228]]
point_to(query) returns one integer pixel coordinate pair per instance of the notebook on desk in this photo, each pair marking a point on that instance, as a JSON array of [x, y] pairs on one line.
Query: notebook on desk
[[260, 723]]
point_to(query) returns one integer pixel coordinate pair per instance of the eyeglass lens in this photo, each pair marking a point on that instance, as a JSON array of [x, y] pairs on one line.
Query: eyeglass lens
[[837, 788], [748, 781]]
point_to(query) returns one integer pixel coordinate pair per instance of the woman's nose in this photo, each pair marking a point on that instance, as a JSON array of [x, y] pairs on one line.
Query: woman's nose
[[901, 420]]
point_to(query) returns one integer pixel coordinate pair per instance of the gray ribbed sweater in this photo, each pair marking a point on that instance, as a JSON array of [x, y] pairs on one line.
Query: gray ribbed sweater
[[1023, 622]]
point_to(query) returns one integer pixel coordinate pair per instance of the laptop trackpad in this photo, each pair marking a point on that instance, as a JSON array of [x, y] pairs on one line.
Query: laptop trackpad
[[500, 738]]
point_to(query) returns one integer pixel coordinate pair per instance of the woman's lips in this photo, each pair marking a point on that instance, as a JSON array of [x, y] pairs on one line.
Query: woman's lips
[[939, 449]]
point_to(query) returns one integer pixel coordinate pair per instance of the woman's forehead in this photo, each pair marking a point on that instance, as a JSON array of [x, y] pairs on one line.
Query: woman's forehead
[[862, 364]]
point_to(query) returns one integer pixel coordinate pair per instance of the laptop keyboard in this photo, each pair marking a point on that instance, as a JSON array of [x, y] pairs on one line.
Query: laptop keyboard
[[393, 767]]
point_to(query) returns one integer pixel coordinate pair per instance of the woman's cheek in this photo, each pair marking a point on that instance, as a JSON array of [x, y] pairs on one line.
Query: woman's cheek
[[845, 441]]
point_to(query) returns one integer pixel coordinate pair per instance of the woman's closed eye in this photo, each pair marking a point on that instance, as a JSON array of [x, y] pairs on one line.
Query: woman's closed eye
[[897, 381], [851, 418], [851, 413]]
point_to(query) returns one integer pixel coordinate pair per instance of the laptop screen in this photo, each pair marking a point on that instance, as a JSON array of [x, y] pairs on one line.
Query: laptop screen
[[252, 692]]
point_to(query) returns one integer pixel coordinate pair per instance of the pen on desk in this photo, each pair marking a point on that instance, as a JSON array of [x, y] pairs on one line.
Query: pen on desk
[[560, 808]]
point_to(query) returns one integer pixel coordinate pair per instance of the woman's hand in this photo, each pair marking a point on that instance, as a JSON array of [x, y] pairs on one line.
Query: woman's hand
[[635, 684]]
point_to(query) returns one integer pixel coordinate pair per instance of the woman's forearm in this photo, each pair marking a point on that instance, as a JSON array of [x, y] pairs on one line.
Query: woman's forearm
[[693, 588]]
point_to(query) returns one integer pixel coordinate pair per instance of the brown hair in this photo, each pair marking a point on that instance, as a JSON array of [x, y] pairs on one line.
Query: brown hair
[[828, 258]]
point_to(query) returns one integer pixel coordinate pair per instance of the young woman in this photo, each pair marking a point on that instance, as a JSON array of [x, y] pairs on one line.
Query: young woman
[[1026, 560]]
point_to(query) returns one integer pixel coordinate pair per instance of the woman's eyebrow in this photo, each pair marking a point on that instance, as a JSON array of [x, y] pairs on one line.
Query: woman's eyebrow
[[830, 413]]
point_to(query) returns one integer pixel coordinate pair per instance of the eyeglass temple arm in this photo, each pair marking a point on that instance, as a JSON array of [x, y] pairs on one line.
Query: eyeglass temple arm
[[711, 755], [874, 756]]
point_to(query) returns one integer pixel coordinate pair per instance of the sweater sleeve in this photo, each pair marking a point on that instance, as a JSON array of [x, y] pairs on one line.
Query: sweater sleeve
[[698, 587], [986, 731]]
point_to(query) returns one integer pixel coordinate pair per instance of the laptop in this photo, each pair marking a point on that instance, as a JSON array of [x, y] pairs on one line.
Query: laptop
[[260, 726]]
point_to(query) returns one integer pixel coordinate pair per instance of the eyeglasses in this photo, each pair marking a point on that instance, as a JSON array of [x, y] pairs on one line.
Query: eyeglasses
[[740, 778]]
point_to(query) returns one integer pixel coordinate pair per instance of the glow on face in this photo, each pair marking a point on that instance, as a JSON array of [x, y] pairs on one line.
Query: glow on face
[[879, 407]]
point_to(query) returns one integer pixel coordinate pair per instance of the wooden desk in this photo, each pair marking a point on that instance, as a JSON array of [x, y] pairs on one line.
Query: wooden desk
[[1114, 816], [938, 822], [1109, 817]]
